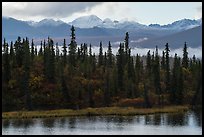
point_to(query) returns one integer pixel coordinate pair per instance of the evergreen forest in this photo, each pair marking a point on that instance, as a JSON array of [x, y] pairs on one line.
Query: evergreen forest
[[76, 78]]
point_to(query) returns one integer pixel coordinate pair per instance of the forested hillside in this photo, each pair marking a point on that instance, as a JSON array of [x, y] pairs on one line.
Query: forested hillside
[[76, 78]]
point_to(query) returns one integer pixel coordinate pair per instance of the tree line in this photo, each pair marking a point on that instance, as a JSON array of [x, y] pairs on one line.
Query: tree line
[[77, 78]]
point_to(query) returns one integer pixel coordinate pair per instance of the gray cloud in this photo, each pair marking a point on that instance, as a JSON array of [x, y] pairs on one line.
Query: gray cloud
[[45, 9]]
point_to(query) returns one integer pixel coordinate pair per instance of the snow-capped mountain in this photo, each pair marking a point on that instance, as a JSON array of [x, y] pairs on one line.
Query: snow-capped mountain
[[108, 23], [87, 22], [183, 24], [94, 21], [46, 22], [129, 25]]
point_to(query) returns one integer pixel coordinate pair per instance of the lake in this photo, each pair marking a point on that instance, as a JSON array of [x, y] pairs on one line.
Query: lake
[[188, 123]]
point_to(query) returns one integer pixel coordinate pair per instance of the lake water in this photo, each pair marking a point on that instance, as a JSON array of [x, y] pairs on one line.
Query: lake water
[[188, 123]]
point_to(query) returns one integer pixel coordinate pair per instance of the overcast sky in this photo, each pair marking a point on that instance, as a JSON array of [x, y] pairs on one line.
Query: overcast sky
[[142, 12]]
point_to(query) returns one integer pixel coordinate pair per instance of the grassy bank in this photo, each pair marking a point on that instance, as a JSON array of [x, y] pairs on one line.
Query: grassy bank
[[93, 112]]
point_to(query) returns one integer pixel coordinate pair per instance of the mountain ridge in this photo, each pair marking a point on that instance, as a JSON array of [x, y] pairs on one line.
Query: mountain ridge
[[12, 28]]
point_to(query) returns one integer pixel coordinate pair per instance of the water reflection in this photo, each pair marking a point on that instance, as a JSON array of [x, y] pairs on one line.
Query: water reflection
[[62, 122], [171, 119], [198, 118], [22, 123], [48, 122], [72, 122], [190, 122], [157, 119], [179, 119], [6, 123]]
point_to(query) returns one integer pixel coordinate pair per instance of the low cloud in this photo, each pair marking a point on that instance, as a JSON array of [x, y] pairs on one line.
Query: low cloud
[[29, 10]]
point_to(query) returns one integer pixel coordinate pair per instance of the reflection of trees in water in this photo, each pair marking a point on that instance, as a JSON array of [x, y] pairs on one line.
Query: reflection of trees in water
[[17, 123], [48, 122], [198, 117], [108, 121], [62, 122], [25, 123], [6, 123], [120, 121], [28, 123], [157, 119], [72, 122], [147, 119], [92, 118], [177, 119], [137, 118]]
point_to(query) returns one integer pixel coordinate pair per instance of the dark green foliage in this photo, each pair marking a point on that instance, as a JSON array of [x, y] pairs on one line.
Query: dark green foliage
[[41, 49], [148, 64], [110, 55], [64, 53], [163, 61], [32, 51], [120, 68], [26, 70], [126, 42], [72, 48], [156, 72], [49, 60], [100, 56], [185, 60], [177, 88], [19, 52], [5, 62], [167, 67]]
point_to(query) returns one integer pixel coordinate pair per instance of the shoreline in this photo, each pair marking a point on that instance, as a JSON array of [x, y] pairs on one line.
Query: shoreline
[[104, 111]]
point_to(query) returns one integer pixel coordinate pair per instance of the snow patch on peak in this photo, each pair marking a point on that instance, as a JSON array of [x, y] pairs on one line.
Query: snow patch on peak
[[86, 21], [45, 22]]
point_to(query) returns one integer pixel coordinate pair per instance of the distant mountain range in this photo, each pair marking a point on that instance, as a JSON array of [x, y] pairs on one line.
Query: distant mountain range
[[94, 29], [94, 21]]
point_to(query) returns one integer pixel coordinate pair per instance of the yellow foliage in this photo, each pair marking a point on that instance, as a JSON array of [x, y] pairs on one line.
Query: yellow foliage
[[36, 82]]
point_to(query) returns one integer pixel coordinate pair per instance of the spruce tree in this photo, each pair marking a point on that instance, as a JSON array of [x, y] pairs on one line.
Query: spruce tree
[[57, 52], [72, 48], [167, 67], [185, 60], [156, 73], [32, 51], [26, 68], [40, 53], [148, 64], [137, 73], [36, 51], [163, 61], [100, 56], [126, 42], [180, 85], [64, 52], [120, 66], [19, 52], [110, 56]]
